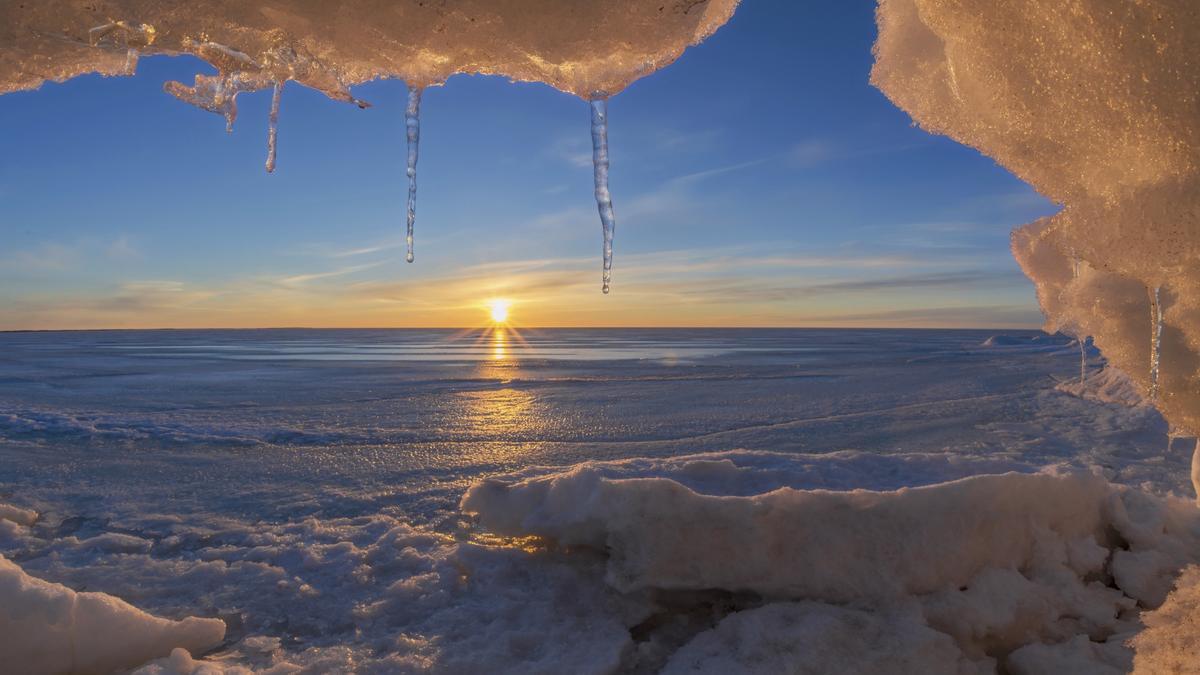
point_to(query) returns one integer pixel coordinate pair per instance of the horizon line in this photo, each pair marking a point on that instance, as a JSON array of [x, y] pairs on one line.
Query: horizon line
[[484, 327]]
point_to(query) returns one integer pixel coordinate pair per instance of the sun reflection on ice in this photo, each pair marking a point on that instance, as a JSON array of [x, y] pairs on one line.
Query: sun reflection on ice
[[499, 343]]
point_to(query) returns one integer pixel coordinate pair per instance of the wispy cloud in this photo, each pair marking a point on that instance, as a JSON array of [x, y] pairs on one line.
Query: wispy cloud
[[298, 279]]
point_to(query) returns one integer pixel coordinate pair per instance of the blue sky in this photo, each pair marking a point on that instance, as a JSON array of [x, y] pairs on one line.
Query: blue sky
[[759, 180]]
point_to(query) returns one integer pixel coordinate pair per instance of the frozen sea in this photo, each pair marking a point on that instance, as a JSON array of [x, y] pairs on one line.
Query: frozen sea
[[216, 472]]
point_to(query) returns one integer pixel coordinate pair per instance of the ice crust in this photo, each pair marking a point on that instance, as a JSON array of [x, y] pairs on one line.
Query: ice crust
[[49, 628], [1094, 103], [718, 562], [1032, 573], [585, 48]]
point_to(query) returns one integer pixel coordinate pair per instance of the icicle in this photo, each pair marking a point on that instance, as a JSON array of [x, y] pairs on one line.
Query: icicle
[[123, 34], [1156, 328], [1082, 360], [273, 126], [1081, 339], [412, 124], [600, 166], [1196, 471]]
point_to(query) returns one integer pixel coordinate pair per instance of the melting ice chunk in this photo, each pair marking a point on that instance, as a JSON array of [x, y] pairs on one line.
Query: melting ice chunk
[[600, 168], [412, 125]]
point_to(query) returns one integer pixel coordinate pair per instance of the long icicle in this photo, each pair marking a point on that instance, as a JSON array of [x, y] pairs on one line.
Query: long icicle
[[600, 166], [412, 125], [1082, 360], [273, 126], [1156, 328]]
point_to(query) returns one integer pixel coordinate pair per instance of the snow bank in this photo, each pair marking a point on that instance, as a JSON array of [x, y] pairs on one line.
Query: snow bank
[[1171, 641], [49, 628], [1094, 104], [811, 637], [1016, 571]]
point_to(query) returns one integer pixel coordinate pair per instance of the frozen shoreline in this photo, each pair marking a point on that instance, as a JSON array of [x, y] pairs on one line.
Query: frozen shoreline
[[700, 563], [355, 556]]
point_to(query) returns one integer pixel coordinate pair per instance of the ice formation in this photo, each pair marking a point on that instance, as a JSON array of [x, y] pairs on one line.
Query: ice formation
[[580, 48], [600, 166], [1094, 103], [412, 126], [273, 126], [49, 628], [1020, 573]]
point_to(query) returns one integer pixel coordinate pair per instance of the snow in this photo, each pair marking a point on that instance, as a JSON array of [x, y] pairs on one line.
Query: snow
[[1110, 385], [1171, 641], [17, 515], [1093, 104], [334, 542], [1049, 568], [578, 48], [49, 628], [940, 559], [811, 637]]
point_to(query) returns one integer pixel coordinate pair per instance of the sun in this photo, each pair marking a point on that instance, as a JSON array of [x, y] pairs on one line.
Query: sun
[[499, 309]]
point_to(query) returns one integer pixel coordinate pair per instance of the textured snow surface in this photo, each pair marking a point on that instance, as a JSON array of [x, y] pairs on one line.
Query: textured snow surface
[[580, 47], [1095, 104], [1028, 573], [49, 628], [718, 562]]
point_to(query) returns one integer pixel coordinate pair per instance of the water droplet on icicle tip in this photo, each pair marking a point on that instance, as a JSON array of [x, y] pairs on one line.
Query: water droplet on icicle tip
[[1156, 328], [273, 126], [599, 106], [412, 125]]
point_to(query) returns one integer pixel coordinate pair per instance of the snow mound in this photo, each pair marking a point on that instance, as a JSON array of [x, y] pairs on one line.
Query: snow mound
[[583, 48], [1094, 104], [811, 637], [17, 515], [1017, 570], [1171, 641], [1110, 385], [49, 628]]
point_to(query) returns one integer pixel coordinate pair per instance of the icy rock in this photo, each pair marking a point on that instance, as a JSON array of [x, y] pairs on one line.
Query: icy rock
[[579, 48], [1094, 104], [49, 628]]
